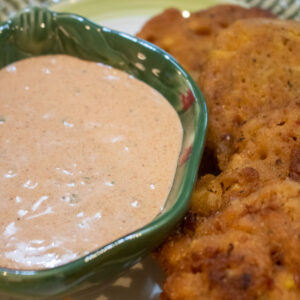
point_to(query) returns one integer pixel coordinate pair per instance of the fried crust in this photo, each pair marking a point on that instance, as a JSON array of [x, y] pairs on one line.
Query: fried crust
[[230, 243], [254, 67], [190, 39], [267, 149], [241, 237], [270, 143], [249, 250]]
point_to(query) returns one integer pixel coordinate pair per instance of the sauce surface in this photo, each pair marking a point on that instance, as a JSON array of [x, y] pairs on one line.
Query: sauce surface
[[88, 154]]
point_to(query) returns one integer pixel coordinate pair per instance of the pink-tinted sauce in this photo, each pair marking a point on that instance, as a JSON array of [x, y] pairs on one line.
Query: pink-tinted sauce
[[88, 154]]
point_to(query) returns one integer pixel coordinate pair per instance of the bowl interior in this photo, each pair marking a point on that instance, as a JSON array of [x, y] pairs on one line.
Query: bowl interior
[[39, 32]]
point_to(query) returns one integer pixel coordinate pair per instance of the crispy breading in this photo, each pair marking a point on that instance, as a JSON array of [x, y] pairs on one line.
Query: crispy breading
[[254, 67], [213, 192], [267, 149], [229, 244], [250, 250], [190, 39], [241, 236], [270, 143]]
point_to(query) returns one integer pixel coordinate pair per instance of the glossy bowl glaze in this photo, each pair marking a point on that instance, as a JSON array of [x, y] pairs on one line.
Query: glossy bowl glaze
[[39, 31]]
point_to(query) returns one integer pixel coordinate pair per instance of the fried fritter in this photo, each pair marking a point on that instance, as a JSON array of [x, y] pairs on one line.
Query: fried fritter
[[241, 237], [190, 39], [250, 250], [270, 143], [267, 149], [212, 193], [254, 67], [230, 245]]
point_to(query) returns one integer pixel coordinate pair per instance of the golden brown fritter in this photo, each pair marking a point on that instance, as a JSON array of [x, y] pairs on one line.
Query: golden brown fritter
[[236, 253], [250, 250], [241, 237], [189, 40], [254, 67], [270, 143], [267, 149], [212, 193]]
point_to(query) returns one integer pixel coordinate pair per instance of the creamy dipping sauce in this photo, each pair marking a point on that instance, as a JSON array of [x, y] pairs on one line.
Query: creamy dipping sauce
[[88, 154]]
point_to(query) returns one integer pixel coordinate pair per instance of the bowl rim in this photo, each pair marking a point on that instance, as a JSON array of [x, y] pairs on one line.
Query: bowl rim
[[194, 159]]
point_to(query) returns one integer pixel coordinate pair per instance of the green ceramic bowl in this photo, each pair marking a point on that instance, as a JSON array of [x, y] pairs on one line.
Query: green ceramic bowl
[[39, 31]]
